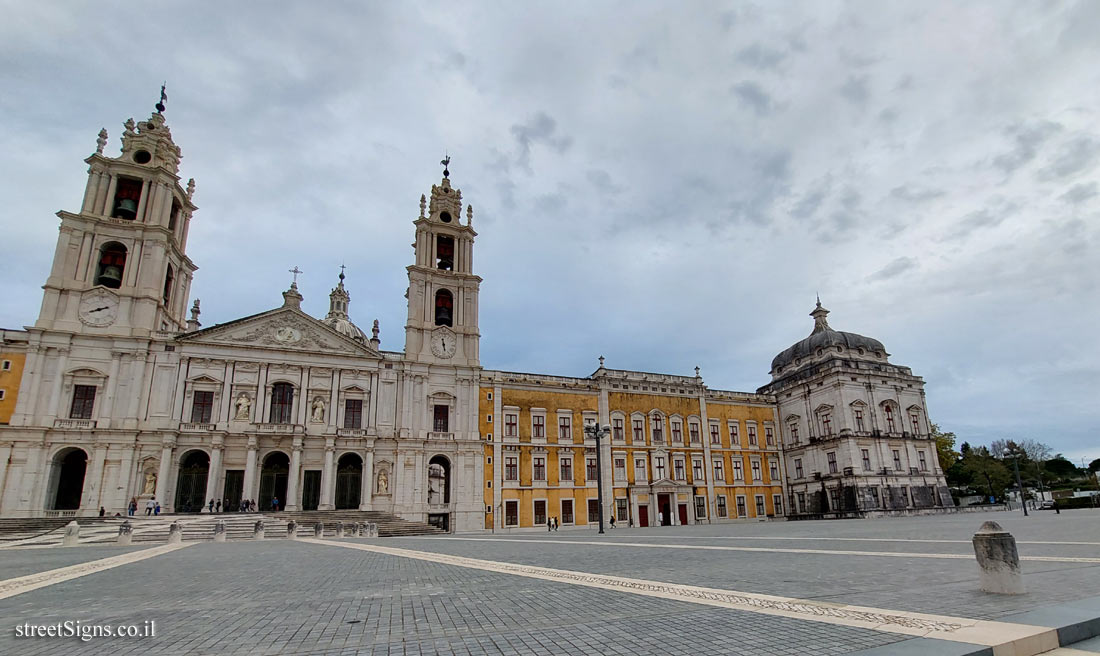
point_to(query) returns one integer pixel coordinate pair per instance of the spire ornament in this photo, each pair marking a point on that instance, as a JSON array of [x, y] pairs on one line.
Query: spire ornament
[[101, 141], [469, 215], [163, 99], [423, 205], [190, 188], [819, 314], [446, 162]]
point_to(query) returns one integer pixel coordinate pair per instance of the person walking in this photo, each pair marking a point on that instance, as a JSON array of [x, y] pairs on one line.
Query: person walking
[[102, 511], [132, 508], [218, 506], [274, 504], [156, 511], [211, 506], [150, 506], [613, 521], [549, 524]]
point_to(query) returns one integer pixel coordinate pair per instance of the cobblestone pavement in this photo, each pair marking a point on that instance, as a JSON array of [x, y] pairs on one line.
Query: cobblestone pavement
[[285, 597]]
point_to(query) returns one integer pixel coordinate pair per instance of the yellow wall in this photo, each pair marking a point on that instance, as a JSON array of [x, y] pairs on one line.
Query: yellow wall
[[9, 382]]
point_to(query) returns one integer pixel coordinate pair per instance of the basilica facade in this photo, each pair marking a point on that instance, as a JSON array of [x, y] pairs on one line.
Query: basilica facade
[[121, 395]]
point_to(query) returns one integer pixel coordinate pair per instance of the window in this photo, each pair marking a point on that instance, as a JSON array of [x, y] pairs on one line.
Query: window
[[511, 468], [6, 365], [169, 277], [282, 403], [738, 473], [756, 471], [620, 510], [173, 217], [590, 471], [752, 434], [897, 460], [722, 510], [794, 433], [914, 419], [773, 471], [875, 503], [638, 431], [444, 253], [715, 434], [798, 467], [83, 402], [678, 466], [353, 413], [444, 304], [834, 498], [566, 511], [441, 415], [593, 511], [538, 426], [511, 513], [127, 197], [719, 471], [826, 424], [859, 420], [742, 510], [923, 462], [735, 434], [112, 263], [540, 512], [693, 431], [639, 469], [658, 434], [866, 455], [565, 428], [659, 467], [832, 461], [2, 394], [620, 469], [677, 436], [801, 502], [888, 411], [700, 507], [696, 470], [538, 468], [511, 425], [202, 407], [769, 436], [760, 510], [566, 467], [617, 429], [777, 503]]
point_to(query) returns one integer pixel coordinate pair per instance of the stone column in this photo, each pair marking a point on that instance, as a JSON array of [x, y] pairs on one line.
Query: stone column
[[181, 386], [55, 389], [327, 482], [5, 455], [32, 374], [166, 453], [125, 478], [250, 469], [93, 481], [214, 474], [107, 409], [295, 474], [368, 480]]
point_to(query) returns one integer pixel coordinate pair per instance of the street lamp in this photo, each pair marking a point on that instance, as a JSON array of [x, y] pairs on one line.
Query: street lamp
[[598, 432], [1019, 485]]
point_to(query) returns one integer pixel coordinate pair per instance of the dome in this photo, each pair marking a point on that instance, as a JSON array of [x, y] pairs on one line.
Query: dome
[[345, 327], [337, 317], [825, 337]]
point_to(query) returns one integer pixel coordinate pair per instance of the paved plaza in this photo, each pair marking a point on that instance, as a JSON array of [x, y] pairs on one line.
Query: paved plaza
[[892, 586]]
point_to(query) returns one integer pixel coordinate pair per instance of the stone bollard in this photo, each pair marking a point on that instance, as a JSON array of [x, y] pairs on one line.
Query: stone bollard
[[72, 534], [318, 530], [372, 530], [339, 529], [360, 529], [219, 531], [125, 534], [175, 533], [258, 530], [998, 560], [291, 529]]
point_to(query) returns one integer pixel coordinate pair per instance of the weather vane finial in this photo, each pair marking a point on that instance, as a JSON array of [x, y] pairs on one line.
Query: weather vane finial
[[446, 161], [163, 98], [342, 267]]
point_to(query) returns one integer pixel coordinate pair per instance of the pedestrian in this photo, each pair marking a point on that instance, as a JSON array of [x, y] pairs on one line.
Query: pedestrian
[[150, 505], [211, 505], [218, 506], [274, 504], [102, 511], [549, 524], [556, 524], [252, 505], [156, 511], [132, 508], [613, 521]]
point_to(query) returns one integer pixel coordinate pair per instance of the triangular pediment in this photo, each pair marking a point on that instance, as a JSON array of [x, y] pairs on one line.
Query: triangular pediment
[[282, 329]]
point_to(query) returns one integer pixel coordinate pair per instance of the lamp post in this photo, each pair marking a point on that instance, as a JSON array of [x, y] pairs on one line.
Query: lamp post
[[1019, 485], [598, 432]]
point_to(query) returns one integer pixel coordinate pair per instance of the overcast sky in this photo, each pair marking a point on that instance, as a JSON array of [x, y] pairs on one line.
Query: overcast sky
[[663, 184]]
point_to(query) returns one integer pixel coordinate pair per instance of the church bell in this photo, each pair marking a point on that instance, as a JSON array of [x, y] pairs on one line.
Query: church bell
[[126, 209], [443, 316], [111, 277]]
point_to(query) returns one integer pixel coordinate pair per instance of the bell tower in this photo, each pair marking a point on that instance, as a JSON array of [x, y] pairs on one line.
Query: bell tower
[[442, 327], [120, 267]]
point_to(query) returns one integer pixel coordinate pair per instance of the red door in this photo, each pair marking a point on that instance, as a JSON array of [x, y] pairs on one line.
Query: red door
[[683, 514], [643, 516]]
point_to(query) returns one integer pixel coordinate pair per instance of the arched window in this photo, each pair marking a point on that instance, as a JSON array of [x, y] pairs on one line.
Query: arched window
[[445, 253], [127, 196], [112, 264], [444, 307], [282, 403], [888, 414], [174, 215], [169, 278]]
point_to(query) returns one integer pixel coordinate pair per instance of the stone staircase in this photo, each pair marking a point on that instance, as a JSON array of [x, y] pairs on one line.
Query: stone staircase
[[388, 525]]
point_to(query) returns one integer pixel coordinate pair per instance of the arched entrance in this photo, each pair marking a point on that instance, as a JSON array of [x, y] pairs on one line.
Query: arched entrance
[[191, 484], [349, 481], [273, 478], [69, 466], [439, 480]]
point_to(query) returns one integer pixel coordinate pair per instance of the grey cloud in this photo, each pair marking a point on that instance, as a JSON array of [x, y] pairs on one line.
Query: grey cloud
[[602, 181], [753, 201], [808, 205], [915, 194], [989, 217], [1079, 193], [894, 269], [855, 91], [1075, 156], [761, 57], [540, 129], [1029, 138], [753, 95]]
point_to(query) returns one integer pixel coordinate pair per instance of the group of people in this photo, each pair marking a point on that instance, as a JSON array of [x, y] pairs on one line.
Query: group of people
[[152, 507]]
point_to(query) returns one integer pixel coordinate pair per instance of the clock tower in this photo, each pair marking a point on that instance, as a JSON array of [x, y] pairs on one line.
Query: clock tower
[[442, 325], [120, 266]]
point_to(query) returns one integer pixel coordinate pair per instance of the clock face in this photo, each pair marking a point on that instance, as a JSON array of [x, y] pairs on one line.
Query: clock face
[[98, 308], [444, 343]]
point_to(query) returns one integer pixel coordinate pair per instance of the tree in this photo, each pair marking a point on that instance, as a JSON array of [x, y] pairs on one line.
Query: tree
[[945, 447], [981, 472], [1094, 466], [1061, 468]]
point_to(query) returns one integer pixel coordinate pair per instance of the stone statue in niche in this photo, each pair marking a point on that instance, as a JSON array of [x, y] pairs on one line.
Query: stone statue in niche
[[318, 410], [150, 483], [383, 482], [244, 406]]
